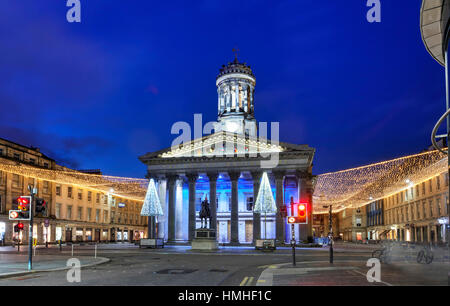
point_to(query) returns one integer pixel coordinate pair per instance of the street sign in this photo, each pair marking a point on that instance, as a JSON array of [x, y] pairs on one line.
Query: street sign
[[14, 214]]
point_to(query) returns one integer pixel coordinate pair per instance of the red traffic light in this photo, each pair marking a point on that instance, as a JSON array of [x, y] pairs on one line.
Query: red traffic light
[[24, 203], [303, 213], [20, 226]]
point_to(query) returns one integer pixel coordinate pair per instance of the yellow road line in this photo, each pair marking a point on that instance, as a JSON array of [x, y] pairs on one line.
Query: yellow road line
[[244, 281], [250, 280]]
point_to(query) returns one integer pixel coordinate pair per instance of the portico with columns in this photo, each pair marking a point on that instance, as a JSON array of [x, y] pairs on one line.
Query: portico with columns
[[226, 167]]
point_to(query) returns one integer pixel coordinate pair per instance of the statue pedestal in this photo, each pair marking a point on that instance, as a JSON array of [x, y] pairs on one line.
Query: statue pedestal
[[205, 239]]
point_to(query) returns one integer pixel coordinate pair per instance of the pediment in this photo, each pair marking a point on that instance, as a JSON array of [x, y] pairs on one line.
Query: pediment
[[225, 144]]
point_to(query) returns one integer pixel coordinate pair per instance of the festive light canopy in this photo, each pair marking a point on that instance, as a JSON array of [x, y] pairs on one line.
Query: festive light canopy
[[128, 188], [356, 187]]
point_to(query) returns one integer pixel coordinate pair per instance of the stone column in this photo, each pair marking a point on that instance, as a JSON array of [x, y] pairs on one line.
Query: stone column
[[234, 176], [212, 198], [280, 230], [192, 179], [256, 176], [171, 183], [305, 195]]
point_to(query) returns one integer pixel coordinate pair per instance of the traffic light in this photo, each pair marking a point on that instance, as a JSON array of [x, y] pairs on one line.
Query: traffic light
[[20, 226], [16, 228], [303, 213], [23, 209], [23, 204], [40, 206]]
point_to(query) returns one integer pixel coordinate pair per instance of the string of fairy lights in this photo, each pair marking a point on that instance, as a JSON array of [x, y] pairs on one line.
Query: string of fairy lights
[[359, 186], [123, 187], [349, 188]]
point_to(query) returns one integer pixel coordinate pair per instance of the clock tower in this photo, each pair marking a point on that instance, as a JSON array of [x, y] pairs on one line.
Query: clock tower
[[235, 88]]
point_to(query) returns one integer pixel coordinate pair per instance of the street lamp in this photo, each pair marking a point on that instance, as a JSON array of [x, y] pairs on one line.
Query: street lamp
[[330, 234]]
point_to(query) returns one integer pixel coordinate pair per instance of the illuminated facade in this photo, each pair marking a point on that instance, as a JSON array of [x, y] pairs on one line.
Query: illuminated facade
[[74, 213], [418, 213], [226, 167]]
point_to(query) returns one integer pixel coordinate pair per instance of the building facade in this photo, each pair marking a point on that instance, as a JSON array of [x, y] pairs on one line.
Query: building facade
[[73, 214], [226, 167], [418, 214]]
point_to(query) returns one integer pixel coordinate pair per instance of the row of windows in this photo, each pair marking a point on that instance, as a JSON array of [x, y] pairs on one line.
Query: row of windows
[[418, 190], [430, 208], [86, 214], [24, 157], [99, 197]]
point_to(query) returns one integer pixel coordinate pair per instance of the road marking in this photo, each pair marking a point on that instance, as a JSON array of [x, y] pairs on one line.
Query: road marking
[[261, 281], [250, 280], [387, 284], [244, 281]]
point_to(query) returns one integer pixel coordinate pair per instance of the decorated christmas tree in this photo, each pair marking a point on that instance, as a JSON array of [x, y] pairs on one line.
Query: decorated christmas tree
[[265, 203], [152, 205]]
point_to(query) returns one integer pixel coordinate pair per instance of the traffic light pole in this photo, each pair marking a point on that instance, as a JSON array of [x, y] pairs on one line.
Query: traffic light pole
[[30, 230], [293, 244]]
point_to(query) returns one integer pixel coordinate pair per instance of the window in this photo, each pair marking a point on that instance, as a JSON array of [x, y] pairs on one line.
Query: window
[[97, 198], [58, 190], [431, 185], [1, 151], [446, 179], [423, 188], [113, 217], [80, 213], [89, 213], [69, 212], [80, 194], [438, 183], [417, 191], [438, 206], [250, 203], [15, 180], [105, 216], [46, 165], [45, 186], [97, 215], [89, 196], [32, 160], [16, 156], [58, 210], [431, 208], [69, 192]]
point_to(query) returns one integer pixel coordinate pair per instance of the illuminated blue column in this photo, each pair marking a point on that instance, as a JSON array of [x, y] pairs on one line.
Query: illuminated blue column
[[234, 228], [280, 233], [171, 183], [192, 179], [212, 198], [256, 176]]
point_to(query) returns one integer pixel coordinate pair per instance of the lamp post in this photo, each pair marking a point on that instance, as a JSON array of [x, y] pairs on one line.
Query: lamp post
[[330, 234]]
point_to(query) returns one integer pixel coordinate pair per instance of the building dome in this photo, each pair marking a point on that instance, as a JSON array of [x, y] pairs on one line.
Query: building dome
[[236, 67], [235, 90]]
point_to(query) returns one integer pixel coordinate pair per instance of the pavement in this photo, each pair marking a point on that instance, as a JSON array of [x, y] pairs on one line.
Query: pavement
[[17, 264], [127, 264]]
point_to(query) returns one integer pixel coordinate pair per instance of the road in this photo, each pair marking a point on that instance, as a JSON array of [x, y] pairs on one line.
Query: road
[[179, 266]]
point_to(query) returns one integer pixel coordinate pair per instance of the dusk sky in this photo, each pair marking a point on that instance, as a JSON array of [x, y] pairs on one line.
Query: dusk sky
[[99, 93]]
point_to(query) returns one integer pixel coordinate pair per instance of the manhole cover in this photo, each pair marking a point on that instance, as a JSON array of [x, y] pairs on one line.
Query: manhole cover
[[218, 270], [176, 271]]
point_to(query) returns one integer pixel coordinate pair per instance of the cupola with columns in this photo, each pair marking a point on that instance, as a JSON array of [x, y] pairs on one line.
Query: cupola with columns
[[235, 89]]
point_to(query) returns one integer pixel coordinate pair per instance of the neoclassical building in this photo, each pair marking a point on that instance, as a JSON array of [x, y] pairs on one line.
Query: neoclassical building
[[226, 167]]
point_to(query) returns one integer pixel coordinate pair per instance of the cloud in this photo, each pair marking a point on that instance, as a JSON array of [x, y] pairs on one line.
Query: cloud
[[67, 151]]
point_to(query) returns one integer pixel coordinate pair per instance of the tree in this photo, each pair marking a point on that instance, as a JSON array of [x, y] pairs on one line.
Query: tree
[[265, 202]]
